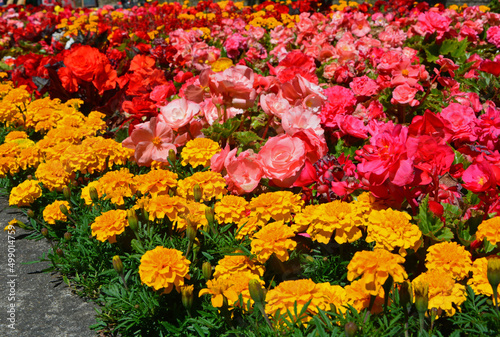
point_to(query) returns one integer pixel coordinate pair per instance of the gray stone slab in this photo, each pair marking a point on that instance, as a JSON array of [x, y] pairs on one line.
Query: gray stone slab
[[44, 305]]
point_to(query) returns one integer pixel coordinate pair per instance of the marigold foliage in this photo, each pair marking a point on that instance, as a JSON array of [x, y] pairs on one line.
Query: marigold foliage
[[444, 293], [273, 238], [109, 224], [212, 184], [198, 152], [374, 267], [52, 212], [391, 229], [450, 257], [25, 193], [279, 205], [164, 268]]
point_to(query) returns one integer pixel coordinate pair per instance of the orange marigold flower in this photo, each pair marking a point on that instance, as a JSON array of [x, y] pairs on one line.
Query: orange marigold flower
[[222, 290], [29, 158], [163, 205], [273, 238], [25, 193], [198, 152], [276, 205], [479, 281], [444, 293], [52, 212], [109, 224], [302, 220], [231, 209], [359, 299], [13, 135], [284, 296], [156, 182], [195, 214], [450, 257], [212, 184], [336, 216], [374, 267], [235, 263], [249, 226], [489, 230], [117, 185], [164, 268], [391, 229], [53, 175], [86, 194], [335, 296], [240, 281], [8, 159], [80, 158], [71, 135]]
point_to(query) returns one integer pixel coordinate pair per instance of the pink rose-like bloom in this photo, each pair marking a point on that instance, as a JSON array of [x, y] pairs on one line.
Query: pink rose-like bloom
[[243, 172], [462, 121], [209, 110], [217, 161], [404, 94], [235, 86], [340, 100], [178, 112], [151, 141], [273, 104], [298, 118], [493, 36], [364, 86], [282, 159]]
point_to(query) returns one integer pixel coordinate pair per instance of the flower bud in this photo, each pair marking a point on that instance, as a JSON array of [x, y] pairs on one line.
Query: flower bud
[[64, 209], [493, 272], [206, 269], [190, 231], [29, 177], [133, 222], [187, 296], [256, 291], [172, 156], [94, 196], [421, 297], [404, 295], [118, 264], [350, 329], [197, 193], [30, 214], [66, 192], [44, 231], [67, 236], [59, 252], [20, 224], [210, 215]]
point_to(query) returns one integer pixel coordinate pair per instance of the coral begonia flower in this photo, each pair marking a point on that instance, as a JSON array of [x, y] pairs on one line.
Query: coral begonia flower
[[151, 141]]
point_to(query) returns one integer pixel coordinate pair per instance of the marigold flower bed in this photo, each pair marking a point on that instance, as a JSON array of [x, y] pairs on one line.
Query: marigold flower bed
[[282, 169]]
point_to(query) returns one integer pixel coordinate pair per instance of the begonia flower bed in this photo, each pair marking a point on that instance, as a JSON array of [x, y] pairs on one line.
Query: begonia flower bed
[[292, 169]]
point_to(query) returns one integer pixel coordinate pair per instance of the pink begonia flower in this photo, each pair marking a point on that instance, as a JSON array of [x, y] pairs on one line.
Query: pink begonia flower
[[298, 118], [462, 121], [479, 177], [340, 100], [217, 161], [364, 86], [273, 104], [405, 73], [243, 172], [433, 22], [315, 144], [404, 94], [493, 36], [282, 158], [299, 88], [234, 85], [178, 112], [351, 125], [151, 141], [209, 110]]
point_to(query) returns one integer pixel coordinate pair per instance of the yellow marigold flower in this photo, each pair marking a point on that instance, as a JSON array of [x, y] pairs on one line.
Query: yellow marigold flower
[[11, 226], [52, 212], [391, 229], [284, 296], [249, 226], [479, 281], [86, 195], [231, 209], [163, 205], [450, 257], [29, 158], [66, 134], [52, 150], [79, 158], [302, 220], [277, 205], [109, 224], [339, 217], [195, 214], [12, 101], [374, 267], [273, 238], [13, 135], [235, 263], [8, 158], [489, 230], [444, 293], [222, 290], [156, 182], [240, 281], [359, 299], [117, 185], [212, 184], [164, 268], [335, 296], [222, 64], [94, 123], [198, 152], [25, 193], [53, 175]]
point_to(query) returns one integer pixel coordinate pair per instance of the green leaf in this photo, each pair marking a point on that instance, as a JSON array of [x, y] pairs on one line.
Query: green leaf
[[246, 137], [431, 225]]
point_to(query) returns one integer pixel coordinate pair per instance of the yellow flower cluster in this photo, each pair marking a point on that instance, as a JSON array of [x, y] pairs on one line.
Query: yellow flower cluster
[[109, 224], [479, 281], [25, 193], [52, 212], [273, 238], [164, 268], [489, 230], [279, 205], [199, 151], [235, 263], [231, 209], [212, 184], [156, 182], [117, 185], [449, 257]]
